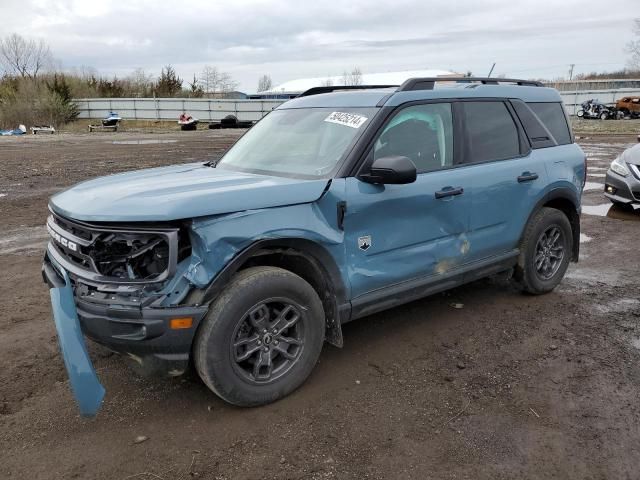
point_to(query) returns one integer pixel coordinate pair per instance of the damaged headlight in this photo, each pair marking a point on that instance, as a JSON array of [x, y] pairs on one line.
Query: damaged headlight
[[119, 253], [130, 256], [619, 167]]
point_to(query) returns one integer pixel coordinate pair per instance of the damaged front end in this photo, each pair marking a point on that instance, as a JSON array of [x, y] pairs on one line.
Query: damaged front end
[[123, 287]]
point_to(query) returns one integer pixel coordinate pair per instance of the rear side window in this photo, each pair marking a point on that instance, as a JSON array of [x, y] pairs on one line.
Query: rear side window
[[492, 133], [552, 115]]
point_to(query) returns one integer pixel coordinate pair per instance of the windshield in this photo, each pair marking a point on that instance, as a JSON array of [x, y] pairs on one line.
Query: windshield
[[305, 142]]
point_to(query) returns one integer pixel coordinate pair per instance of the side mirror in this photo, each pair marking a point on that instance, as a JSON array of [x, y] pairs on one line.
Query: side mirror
[[391, 170]]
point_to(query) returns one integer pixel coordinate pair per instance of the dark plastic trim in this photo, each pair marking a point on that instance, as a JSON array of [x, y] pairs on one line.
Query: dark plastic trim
[[408, 291], [335, 295], [561, 193]]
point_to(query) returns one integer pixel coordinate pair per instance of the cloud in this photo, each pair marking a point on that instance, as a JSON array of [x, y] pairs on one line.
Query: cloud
[[292, 39]]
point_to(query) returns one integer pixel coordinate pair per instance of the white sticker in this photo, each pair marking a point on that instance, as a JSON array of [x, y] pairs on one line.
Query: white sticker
[[352, 120]]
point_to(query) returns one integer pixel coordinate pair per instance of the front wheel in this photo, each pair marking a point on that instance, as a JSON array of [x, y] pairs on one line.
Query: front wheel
[[580, 113], [261, 338], [545, 252]]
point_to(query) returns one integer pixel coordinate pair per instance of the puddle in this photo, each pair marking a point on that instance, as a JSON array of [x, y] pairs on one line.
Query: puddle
[[619, 305], [593, 186], [3, 195], [595, 276], [636, 343], [24, 240], [141, 142], [585, 238], [619, 212]]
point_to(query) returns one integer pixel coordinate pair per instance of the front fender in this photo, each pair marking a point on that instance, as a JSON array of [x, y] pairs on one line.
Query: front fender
[[216, 241]]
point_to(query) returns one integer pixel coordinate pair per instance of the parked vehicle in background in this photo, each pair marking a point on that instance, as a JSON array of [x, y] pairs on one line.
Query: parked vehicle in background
[[111, 120], [622, 181], [187, 122], [629, 107], [338, 204], [595, 109], [43, 129]]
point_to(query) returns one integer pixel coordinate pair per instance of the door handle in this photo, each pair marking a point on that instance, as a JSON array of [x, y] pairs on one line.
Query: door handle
[[527, 177], [449, 192]]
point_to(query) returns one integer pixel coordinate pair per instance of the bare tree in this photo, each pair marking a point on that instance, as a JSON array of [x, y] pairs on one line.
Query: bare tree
[[209, 79], [213, 81], [633, 47], [227, 83], [352, 78], [141, 82], [264, 83], [356, 76], [22, 57], [327, 82]]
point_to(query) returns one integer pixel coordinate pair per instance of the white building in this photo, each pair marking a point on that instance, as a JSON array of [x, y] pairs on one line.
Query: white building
[[387, 78]]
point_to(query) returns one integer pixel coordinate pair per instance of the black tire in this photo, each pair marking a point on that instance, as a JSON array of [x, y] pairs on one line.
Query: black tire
[[626, 207], [265, 293], [530, 274]]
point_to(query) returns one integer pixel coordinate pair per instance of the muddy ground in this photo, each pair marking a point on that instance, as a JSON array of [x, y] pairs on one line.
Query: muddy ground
[[509, 386]]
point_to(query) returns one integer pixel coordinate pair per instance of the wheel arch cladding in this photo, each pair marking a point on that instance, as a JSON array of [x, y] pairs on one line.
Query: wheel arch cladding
[[310, 246], [563, 199]]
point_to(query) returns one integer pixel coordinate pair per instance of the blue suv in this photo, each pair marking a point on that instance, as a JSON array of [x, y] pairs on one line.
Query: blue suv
[[340, 203]]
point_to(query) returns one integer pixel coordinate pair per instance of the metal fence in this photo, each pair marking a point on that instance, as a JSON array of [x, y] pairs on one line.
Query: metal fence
[[171, 108], [573, 99], [252, 110]]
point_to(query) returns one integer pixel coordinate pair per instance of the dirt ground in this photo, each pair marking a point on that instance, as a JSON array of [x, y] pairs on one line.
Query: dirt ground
[[509, 386]]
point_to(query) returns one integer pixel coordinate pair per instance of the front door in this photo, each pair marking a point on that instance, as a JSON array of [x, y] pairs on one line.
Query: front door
[[398, 233]]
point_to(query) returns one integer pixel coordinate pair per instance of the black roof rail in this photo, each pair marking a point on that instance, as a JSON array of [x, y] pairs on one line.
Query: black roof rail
[[428, 83], [333, 88]]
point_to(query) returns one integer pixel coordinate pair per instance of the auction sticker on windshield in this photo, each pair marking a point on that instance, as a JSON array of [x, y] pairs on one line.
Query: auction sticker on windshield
[[352, 120]]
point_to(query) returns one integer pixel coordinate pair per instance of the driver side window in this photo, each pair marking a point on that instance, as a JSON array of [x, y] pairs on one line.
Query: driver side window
[[423, 133]]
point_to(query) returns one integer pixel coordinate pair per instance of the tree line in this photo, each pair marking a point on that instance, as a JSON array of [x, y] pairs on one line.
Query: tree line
[[34, 89]]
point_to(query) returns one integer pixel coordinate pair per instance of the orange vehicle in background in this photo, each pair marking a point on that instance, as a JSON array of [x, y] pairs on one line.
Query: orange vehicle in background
[[629, 106]]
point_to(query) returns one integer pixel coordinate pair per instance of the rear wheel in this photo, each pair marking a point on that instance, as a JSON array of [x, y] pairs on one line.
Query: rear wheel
[[545, 252], [261, 338]]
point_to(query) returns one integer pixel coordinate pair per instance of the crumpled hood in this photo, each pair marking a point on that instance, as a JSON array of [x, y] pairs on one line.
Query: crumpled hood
[[180, 191]]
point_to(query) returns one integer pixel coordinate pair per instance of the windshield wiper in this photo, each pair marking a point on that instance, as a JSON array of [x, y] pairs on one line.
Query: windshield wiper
[[211, 163]]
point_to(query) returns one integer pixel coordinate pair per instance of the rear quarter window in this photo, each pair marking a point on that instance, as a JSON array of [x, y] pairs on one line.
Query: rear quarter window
[[553, 117]]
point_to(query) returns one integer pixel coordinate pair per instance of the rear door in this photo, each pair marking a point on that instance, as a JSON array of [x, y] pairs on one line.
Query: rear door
[[508, 179], [399, 233]]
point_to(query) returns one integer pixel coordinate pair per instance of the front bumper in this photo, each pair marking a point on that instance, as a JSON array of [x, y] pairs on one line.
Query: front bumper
[[82, 376], [625, 189], [143, 333]]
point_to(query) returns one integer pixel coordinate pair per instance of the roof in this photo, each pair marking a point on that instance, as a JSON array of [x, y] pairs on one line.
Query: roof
[[386, 78], [372, 98]]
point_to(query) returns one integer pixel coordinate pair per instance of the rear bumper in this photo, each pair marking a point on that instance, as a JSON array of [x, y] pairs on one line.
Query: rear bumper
[[625, 189], [142, 333]]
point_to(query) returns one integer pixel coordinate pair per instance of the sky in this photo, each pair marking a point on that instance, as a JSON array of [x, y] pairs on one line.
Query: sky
[[296, 39]]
